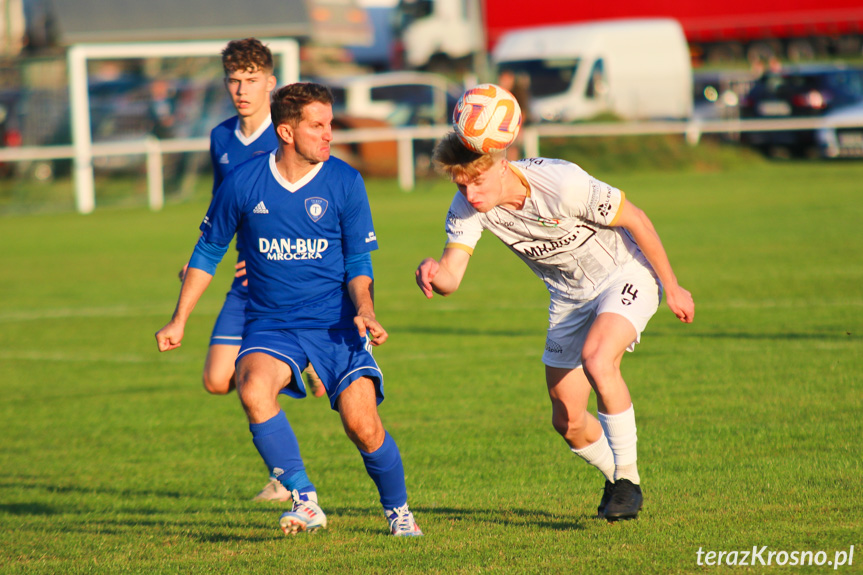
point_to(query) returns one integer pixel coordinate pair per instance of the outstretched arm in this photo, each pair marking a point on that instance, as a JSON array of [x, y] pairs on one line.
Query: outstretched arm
[[641, 228], [442, 276], [195, 283], [197, 276]]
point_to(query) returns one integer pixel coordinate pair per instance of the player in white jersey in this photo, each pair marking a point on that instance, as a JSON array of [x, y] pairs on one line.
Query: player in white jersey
[[605, 269]]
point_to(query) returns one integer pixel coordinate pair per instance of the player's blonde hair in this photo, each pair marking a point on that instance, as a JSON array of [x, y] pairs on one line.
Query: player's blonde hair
[[247, 55], [454, 159]]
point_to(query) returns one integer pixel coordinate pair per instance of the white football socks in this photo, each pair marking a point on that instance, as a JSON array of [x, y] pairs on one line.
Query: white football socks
[[599, 455], [622, 437]]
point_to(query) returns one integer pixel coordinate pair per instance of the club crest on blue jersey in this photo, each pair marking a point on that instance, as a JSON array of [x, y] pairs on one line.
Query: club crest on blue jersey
[[316, 208]]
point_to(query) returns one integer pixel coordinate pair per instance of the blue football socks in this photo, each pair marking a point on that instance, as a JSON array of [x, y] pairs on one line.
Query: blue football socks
[[278, 446], [384, 466]]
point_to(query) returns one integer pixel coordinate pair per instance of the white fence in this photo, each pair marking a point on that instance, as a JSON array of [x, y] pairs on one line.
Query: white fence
[[154, 149], [83, 148]]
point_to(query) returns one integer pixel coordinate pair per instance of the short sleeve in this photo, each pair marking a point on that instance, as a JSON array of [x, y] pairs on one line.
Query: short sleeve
[[358, 231], [463, 227], [222, 219], [214, 162], [584, 196]]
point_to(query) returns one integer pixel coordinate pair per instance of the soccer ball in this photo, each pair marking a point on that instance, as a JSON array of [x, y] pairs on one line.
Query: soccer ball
[[487, 118]]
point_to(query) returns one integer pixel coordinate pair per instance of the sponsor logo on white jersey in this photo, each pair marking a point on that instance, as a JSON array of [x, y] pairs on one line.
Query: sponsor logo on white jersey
[[281, 249], [224, 159], [600, 198], [542, 249], [451, 218], [261, 209]]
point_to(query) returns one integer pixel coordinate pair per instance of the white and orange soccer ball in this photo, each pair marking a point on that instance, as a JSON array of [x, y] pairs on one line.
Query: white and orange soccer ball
[[487, 118]]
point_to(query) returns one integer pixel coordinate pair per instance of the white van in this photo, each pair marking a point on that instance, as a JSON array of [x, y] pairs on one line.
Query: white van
[[635, 69]]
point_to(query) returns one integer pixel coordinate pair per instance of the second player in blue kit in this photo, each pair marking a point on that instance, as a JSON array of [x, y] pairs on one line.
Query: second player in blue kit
[[305, 221]]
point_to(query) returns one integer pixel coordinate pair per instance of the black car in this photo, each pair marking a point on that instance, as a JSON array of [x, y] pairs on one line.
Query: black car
[[798, 93]]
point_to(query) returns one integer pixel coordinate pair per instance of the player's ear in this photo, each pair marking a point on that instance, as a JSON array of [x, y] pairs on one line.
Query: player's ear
[[271, 83], [285, 132]]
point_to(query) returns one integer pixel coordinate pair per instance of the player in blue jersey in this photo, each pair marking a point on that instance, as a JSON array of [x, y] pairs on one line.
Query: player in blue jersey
[[248, 66], [306, 221]]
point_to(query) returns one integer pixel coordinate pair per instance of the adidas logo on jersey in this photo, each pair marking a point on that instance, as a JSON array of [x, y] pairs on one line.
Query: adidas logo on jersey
[[261, 209], [224, 159]]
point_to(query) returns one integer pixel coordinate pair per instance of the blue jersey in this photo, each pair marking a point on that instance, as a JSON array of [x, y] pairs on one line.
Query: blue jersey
[[229, 148], [297, 236]]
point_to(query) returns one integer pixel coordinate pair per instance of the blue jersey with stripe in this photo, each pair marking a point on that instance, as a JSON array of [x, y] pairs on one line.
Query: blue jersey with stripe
[[229, 148], [297, 236]]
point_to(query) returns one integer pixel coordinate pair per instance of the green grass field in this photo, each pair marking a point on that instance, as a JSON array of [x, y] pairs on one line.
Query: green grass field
[[114, 460]]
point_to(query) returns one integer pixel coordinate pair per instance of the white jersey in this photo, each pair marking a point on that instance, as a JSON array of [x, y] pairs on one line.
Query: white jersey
[[563, 232]]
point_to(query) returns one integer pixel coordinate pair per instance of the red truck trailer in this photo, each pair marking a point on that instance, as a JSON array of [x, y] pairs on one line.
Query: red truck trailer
[[716, 31], [733, 29]]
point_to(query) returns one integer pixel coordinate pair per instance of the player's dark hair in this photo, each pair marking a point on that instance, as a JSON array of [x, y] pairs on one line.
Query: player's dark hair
[[455, 159], [247, 55], [289, 101]]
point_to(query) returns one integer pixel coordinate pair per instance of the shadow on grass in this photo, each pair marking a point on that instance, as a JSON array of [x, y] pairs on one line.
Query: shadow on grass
[[751, 336], [211, 521], [64, 394], [27, 509], [821, 336], [123, 493], [497, 516], [522, 517], [455, 331]]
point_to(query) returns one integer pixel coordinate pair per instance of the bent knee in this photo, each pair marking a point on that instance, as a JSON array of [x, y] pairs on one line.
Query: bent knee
[[366, 435], [251, 390], [599, 367], [218, 386], [218, 383]]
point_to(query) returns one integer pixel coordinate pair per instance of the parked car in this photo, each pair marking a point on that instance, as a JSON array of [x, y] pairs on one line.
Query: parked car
[[716, 95], [395, 99], [399, 98], [844, 141], [800, 92]]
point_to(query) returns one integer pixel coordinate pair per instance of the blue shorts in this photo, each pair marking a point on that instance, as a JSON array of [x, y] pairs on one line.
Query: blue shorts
[[228, 329], [340, 357]]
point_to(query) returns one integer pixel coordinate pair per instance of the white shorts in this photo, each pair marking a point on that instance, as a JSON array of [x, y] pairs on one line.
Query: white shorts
[[634, 293]]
